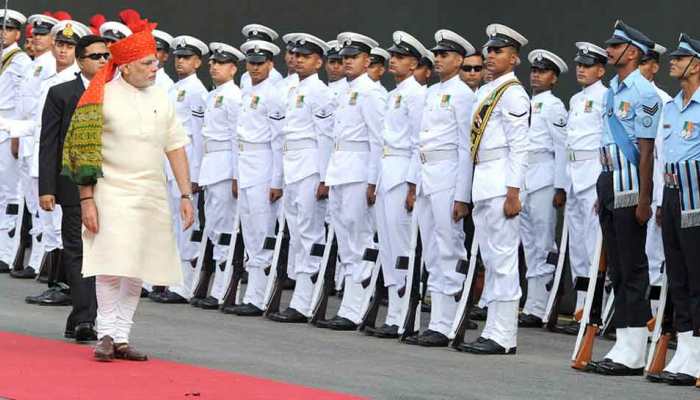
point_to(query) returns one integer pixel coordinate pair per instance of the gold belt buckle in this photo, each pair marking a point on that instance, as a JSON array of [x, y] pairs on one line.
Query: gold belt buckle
[[240, 146], [386, 151]]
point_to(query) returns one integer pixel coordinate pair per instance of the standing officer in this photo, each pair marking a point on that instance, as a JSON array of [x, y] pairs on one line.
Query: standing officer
[[258, 181], [259, 32], [335, 72], [443, 184], [15, 63], [377, 65], [402, 123], [164, 42], [113, 31], [188, 95], [472, 72], [630, 120], [308, 142], [499, 144], [539, 218], [680, 213], [578, 195], [352, 174], [219, 162], [425, 67]]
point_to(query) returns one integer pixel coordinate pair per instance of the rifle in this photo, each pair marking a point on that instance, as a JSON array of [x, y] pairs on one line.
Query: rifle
[[410, 295], [662, 328], [459, 325], [324, 280], [203, 267], [278, 267], [551, 314], [590, 318], [373, 297], [234, 268]]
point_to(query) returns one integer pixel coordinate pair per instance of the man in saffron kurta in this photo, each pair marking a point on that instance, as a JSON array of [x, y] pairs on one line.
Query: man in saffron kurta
[[114, 151]]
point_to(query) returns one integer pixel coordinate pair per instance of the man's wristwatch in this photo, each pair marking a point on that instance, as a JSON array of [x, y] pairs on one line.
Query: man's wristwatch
[[187, 196]]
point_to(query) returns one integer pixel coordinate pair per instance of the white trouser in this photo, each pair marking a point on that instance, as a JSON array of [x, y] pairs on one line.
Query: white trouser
[[583, 226], [117, 298], [498, 239], [31, 198], [443, 308], [502, 323], [305, 220], [50, 223], [219, 209], [353, 295], [538, 221], [9, 189], [394, 228], [444, 242], [393, 311], [537, 296], [655, 251], [258, 217], [351, 221], [303, 292]]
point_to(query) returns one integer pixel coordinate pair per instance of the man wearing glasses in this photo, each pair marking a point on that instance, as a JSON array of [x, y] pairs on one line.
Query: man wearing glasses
[[472, 72], [91, 53]]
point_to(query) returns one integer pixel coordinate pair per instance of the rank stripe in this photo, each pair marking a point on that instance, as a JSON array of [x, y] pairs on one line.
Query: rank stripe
[[651, 110]]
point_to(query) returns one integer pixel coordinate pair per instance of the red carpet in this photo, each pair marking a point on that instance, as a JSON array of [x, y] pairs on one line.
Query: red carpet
[[32, 368]]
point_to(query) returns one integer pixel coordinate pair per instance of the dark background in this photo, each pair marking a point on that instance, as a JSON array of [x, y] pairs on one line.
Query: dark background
[[553, 25]]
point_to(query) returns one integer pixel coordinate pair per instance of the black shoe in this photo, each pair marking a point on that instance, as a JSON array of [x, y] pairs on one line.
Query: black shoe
[[36, 299], [55, 298], [85, 332], [194, 302], [429, 338], [155, 296], [485, 346], [289, 315], [383, 332], [529, 321], [611, 368], [25, 273], [169, 297], [4, 268], [337, 324], [681, 379], [69, 334], [478, 314], [244, 310], [661, 377], [144, 293], [570, 328], [209, 303]]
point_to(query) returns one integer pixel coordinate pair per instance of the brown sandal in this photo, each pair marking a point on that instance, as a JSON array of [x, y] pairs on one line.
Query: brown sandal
[[123, 351]]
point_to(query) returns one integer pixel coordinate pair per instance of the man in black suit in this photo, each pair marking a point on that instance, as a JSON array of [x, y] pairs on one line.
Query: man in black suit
[[91, 54]]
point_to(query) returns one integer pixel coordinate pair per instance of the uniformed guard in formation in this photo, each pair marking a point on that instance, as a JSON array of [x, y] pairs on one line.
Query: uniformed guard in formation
[[323, 180]]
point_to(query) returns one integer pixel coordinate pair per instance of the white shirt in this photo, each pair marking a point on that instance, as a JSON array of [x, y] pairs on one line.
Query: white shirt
[[287, 84], [338, 88], [402, 122], [507, 129], [309, 116], [445, 126], [188, 96], [222, 106], [358, 119], [163, 80], [10, 80], [547, 134], [260, 121], [583, 132]]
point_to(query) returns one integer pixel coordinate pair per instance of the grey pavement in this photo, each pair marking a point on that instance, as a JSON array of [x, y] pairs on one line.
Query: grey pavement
[[347, 361]]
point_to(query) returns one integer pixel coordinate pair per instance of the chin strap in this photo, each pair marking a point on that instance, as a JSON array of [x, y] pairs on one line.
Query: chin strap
[[687, 67], [621, 54]]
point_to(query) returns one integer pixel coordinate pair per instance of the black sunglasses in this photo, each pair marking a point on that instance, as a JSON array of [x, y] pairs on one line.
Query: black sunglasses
[[97, 56], [470, 68]]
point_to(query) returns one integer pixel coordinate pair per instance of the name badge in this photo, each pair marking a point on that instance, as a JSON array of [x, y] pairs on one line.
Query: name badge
[[181, 96], [445, 100], [353, 98], [254, 101]]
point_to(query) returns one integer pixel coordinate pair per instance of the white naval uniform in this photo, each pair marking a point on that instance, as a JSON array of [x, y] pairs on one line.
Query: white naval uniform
[[654, 245], [217, 171], [10, 81], [337, 88], [505, 142], [259, 169], [444, 177], [275, 76], [27, 113], [353, 166], [402, 123], [308, 141], [583, 131], [188, 96], [538, 218]]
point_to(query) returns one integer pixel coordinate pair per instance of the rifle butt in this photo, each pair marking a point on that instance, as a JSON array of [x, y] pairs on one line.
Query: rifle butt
[[658, 361], [585, 352]]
